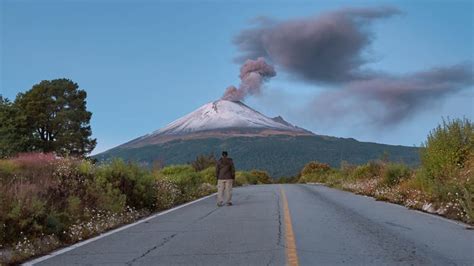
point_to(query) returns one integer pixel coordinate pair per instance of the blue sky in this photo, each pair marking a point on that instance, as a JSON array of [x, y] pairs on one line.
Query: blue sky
[[145, 64]]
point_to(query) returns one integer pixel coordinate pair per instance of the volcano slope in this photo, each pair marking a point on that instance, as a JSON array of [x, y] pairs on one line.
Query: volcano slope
[[254, 140], [278, 155]]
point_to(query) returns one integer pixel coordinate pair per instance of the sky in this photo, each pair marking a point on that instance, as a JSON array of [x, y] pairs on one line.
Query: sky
[[144, 64]]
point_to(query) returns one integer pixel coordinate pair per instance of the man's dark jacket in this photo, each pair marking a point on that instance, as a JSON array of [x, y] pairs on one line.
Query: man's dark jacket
[[225, 168]]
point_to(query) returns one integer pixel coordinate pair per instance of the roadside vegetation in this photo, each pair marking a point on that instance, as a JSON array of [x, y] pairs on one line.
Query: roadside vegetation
[[49, 201], [442, 184]]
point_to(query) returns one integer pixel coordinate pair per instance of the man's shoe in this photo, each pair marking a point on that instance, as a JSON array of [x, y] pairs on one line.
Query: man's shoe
[[229, 203], [220, 204]]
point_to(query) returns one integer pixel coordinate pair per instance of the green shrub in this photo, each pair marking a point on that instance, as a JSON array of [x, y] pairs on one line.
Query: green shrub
[[167, 193], [315, 168], [367, 171], [261, 177], [204, 189], [242, 178], [447, 149], [25, 217], [335, 178], [56, 223], [74, 206], [203, 161], [7, 169], [132, 180], [185, 178], [393, 173], [467, 199], [208, 175], [252, 177], [85, 168], [314, 172], [104, 196], [176, 169]]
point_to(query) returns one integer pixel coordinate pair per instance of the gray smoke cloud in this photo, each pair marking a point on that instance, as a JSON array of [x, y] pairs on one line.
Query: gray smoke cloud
[[252, 75], [333, 50], [389, 99], [329, 48]]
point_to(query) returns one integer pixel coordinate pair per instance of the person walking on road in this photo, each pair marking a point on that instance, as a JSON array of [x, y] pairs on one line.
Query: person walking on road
[[225, 174]]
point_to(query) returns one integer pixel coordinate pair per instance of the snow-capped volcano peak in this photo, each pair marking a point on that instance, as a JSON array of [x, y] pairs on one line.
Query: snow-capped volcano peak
[[222, 114], [221, 118]]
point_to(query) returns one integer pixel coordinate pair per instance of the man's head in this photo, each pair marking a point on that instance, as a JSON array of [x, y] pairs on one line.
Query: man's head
[[224, 154]]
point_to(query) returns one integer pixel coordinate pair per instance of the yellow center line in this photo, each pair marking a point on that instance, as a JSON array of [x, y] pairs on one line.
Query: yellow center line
[[291, 255]]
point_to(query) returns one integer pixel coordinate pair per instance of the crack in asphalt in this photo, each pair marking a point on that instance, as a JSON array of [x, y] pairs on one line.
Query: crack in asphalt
[[278, 215], [279, 220], [165, 241], [207, 214]]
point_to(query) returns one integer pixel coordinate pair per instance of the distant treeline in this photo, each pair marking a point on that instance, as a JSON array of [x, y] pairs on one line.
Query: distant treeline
[[280, 156]]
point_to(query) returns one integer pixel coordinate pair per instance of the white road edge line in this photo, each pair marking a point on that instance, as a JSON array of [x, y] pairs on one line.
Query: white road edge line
[[82, 243]]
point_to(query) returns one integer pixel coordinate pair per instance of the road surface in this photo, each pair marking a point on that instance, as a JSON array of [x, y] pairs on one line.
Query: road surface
[[282, 225]]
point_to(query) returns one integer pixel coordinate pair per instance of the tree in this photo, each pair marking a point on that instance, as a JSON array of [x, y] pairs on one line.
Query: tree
[[57, 118], [13, 132]]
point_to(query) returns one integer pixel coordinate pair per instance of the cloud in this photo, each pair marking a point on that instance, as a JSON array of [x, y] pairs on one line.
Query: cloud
[[388, 99], [328, 49], [331, 50]]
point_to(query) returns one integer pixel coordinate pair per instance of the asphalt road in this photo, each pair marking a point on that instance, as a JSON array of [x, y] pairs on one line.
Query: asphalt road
[[305, 225]]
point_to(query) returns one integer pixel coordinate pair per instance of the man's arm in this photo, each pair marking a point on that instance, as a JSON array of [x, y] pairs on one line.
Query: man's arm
[[217, 169]]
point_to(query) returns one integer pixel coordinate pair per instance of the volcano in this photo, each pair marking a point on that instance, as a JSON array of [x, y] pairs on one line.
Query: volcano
[[221, 119], [254, 140]]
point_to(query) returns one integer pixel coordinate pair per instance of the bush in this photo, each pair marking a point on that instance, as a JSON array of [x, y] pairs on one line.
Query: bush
[[209, 175], [260, 177], [7, 170], [187, 180], [167, 193], [203, 161], [367, 171], [393, 173], [176, 169], [132, 180], [447, 149], [242, 178], [314, 172], [315, 168], [25, 218]]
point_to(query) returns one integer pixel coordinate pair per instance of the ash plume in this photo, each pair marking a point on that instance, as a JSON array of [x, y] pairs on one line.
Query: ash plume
[[328, 48], [390, 99], [252, 75], [332, 51]]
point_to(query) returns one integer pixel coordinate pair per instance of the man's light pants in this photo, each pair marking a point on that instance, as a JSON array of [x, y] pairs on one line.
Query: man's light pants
[[224, 191]]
